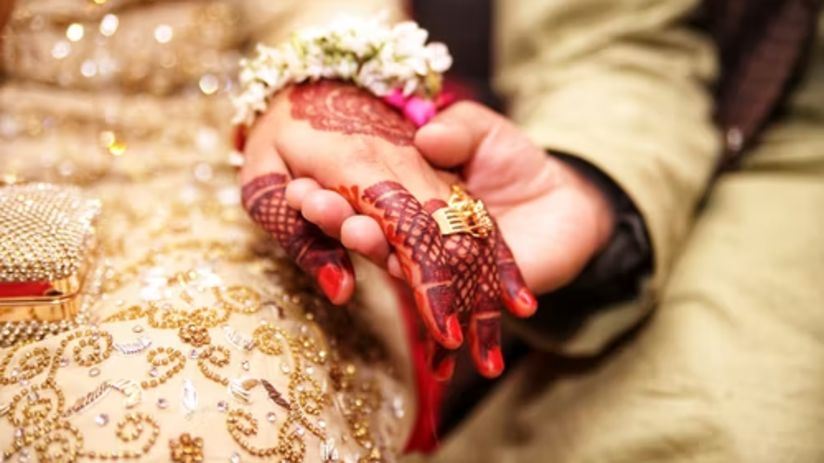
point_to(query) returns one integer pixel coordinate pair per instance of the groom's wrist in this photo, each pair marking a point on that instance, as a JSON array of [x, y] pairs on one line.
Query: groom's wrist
[[626, 254]]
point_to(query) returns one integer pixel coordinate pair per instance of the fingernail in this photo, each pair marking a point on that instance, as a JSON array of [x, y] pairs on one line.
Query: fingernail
[[493, 363], [444, 370], [453, 330], [330, 279], [527, 302], [239, 138]]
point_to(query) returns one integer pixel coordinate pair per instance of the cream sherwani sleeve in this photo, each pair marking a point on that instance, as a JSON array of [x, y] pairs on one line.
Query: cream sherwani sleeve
[[625, 86]]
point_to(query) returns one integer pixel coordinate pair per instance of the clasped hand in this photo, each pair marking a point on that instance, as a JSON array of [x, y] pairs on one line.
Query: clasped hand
[[330, 167]]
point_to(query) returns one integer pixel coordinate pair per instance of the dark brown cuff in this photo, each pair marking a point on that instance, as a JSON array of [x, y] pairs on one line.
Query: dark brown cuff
[[627, 255], [612, 276]]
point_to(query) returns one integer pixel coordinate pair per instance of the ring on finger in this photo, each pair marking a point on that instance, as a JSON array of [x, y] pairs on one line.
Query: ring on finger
[[463, 214]]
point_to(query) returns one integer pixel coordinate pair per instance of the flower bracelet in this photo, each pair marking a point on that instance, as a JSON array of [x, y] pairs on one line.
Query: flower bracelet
[[394, 63]]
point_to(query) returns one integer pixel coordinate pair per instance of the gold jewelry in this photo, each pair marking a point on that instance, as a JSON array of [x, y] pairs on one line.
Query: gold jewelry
[[463, 215], [45, 253], [186, 449], [41, 404], [97, 353], [32, 364], [242, 425], [268, 339], [46, 232], [311, 366], [131, 428], [218, 356], [194, 334], [241, 299], [161, 357]]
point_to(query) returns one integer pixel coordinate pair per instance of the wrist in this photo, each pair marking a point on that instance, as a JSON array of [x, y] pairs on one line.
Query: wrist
[[624, 251], [600, 201], [594, 196]]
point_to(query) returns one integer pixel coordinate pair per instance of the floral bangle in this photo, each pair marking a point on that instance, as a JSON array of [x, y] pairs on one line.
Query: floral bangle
[[394, 63]]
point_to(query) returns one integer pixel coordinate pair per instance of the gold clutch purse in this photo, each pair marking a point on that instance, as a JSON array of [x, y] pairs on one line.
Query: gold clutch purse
[[47, 236]]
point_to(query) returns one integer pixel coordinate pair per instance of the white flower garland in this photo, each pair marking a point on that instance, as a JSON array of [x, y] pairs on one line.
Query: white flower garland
[[365, 52]]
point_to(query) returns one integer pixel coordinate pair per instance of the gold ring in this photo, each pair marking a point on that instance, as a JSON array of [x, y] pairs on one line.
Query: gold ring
[[463, 215]]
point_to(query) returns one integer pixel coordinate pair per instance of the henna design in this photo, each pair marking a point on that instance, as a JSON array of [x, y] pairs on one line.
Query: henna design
[[475, 275], [337, 107], [515, 293], [485, 319], [416, 239], [473, 262], [264, 198]]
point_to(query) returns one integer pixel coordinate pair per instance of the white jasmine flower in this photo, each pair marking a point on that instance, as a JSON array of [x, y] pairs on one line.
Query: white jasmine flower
[[417, 65], [410, 87], [314, 67], [366, 52], [408, 37], [357, 44], [292, 61], [346, 68], [271, 76], [247, 74], [438, 57], [255, 96]]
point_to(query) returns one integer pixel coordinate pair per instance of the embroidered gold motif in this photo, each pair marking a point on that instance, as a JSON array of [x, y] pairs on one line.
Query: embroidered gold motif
[[186, 449]]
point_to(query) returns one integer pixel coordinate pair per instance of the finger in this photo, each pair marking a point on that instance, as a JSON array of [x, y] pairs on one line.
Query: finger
[[453, 136], [477, 289], [441, 361], [416, 240], [327, 210], [264, 198], [362, 234], [485, 334], [297, 189], [363, 150], [516, 295], [393, 266], [239, 135], [236, 157]]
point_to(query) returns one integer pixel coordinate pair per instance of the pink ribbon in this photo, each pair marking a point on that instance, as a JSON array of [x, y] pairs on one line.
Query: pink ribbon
[[417, 109]]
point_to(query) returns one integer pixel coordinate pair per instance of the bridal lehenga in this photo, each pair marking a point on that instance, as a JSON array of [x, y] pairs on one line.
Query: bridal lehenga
[[197, 340]]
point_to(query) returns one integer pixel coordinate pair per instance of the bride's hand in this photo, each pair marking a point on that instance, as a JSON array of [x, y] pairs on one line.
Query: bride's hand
[[346, 140]]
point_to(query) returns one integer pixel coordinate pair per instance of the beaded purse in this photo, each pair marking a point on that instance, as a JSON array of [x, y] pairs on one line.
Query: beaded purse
[[47, 236]]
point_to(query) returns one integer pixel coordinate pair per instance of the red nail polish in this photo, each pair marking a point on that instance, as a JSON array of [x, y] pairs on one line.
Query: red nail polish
[[239, 138], [493, 364], [444, 370], [453, 330], [330, 279], [527, 302]]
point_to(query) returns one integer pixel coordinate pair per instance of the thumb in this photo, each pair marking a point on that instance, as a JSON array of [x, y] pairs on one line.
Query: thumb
[[453, 136]]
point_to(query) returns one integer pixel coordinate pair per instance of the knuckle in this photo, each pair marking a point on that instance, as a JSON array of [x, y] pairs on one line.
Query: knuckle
[[362, 152], [503, 136]]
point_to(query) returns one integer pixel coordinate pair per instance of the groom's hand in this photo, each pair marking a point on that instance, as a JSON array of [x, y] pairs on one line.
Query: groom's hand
[[364, 181], [553, 218]]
